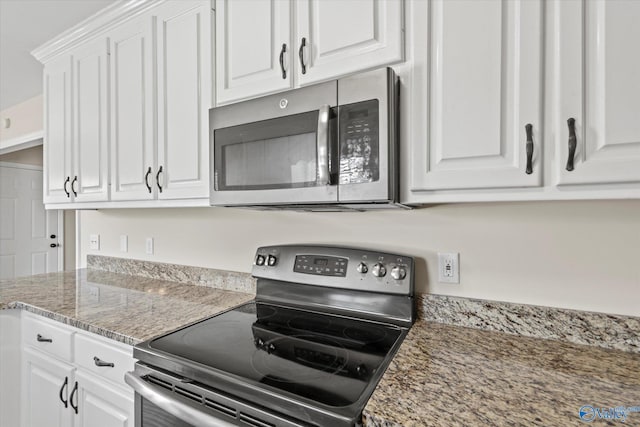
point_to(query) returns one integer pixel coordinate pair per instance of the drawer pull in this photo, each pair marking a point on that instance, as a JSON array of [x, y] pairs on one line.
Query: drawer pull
[[40, 338], [74, 392], [64, 390], [101, 363]]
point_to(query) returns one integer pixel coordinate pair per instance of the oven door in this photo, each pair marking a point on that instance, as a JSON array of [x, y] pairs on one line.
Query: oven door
[[276, 150]]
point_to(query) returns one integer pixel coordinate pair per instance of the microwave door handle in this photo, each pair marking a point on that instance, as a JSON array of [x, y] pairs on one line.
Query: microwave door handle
[[323, 146]]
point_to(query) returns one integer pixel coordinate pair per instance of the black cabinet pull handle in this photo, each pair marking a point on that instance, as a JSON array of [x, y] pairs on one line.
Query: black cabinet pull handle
[[101, 363], [528, 128], [40, 338], [53, 236], [303, 43], [146, 179], [74, 392], [62, 390], [158, 179], [54, 245], [573, 143], [65, 186], [73, 188], [282, 52]]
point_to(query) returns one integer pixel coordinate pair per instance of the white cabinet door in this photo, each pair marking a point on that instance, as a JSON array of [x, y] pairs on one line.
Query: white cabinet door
[[597, 82], [90, 181], [184, 99], [132, 111], [47, 384], [101, 404], [337, 37], [57, 130], [250, 37], [483, 85]]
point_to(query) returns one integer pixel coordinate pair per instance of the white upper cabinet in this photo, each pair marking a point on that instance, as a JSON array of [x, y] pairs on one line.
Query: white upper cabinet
[[597, 83], [253, 48], [132, 111], [57, 130], [337, 37], [184, 99], [259, 50], [91, 122], [480, 88]]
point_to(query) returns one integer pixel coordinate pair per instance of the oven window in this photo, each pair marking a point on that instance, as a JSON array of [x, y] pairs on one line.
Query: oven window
[[270, 154]]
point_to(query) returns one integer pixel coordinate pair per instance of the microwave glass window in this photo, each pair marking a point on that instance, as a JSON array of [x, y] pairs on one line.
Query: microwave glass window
[[359, 146], [276, 153]]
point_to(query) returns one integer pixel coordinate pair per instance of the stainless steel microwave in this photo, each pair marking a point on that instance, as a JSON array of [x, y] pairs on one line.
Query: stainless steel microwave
[[328, 146]]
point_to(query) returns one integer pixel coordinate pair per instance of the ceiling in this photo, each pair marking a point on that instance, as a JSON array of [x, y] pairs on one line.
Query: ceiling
[[25, 25]]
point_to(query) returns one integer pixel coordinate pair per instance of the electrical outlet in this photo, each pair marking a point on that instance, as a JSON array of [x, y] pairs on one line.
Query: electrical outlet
[[449, 267], [149, 245], [124, 243], [94, 242]]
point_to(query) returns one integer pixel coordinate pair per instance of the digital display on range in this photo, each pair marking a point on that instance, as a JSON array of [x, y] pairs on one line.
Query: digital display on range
[[321, 265]]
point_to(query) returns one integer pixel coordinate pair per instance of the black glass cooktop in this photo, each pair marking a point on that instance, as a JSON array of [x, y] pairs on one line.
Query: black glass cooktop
[[325, 358]]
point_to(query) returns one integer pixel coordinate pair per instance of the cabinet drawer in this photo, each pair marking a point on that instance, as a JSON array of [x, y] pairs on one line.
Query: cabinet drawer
[[40, 333], [90, 352]]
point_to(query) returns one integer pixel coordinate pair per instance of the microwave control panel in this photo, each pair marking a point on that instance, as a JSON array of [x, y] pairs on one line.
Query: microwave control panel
[[359, 147]]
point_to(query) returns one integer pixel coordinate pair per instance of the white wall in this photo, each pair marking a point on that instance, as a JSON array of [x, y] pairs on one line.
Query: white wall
[[582, 255], [25, 118]]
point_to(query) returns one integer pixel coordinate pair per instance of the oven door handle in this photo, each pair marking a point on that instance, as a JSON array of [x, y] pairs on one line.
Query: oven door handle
[[323, 176], [167, 402]]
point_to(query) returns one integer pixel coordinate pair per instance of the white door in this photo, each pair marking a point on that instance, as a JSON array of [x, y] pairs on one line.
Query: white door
[[251, 35], [57, 130], [47, 384], [597, 82], [184, 99], [132, 111], [90, 125], [483, 87], [25, 227], [337, 37], [101, 404]]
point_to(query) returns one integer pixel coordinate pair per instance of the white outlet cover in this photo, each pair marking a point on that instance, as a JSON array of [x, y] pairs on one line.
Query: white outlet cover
[[149, 245], [448, 267], [94, 242]]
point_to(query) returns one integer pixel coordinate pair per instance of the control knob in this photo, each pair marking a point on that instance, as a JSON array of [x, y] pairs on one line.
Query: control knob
[[362, 268], [379, 270], [398, 273], [260, 260], [271, 260]]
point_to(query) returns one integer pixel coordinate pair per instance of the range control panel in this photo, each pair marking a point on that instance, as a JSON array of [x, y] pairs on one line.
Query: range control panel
[[339, 267]]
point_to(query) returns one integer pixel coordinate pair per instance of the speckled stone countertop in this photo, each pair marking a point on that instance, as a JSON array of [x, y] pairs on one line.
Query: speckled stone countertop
[[446, 375], [125, 308]]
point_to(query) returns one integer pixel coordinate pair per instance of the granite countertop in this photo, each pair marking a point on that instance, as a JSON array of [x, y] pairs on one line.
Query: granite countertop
[[125, 308], [447, 375], [443, 375]]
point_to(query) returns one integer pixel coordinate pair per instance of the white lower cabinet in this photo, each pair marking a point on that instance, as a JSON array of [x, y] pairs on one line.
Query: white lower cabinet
[[72, 378], [101, 404], [47, 386]]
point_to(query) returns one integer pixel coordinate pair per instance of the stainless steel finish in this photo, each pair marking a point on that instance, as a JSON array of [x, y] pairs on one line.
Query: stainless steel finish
[[398, 273], [353, 279], [215, 409], [381, 84], [362, 268], [269, 107], [323, 146], [166, 400], [379, 270]]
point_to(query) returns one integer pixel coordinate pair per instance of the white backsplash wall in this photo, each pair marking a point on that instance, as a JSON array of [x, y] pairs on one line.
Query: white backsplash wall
[[582, 255]]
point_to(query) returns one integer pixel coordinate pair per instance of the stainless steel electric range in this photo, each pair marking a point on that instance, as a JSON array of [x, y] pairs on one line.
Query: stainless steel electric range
[[308, 351]]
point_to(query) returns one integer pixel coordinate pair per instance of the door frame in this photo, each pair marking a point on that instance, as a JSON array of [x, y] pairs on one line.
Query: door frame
[[59, 213]]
